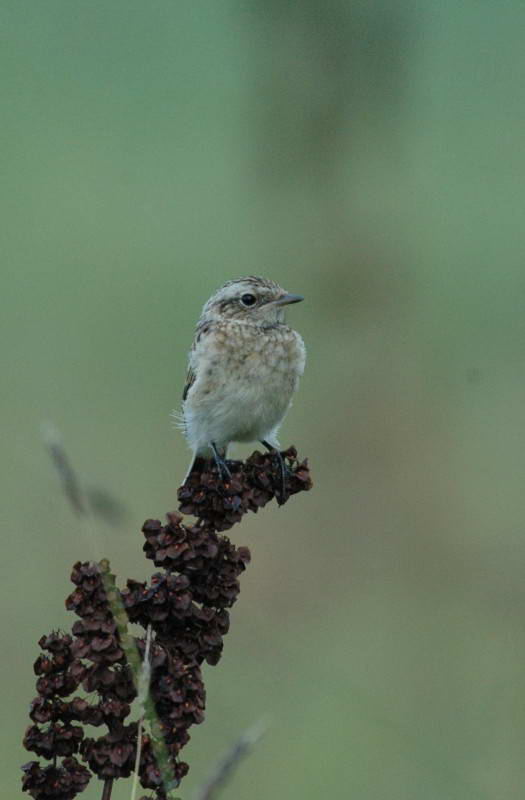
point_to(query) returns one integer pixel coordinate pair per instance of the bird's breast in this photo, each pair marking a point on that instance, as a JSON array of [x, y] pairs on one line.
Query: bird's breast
[[257, 356], [244, 382], [239, 360]]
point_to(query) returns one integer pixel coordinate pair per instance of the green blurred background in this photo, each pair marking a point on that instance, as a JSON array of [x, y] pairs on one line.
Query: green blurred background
[[369, 156]]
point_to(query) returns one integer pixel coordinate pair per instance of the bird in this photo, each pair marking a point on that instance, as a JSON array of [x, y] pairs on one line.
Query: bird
[[243, 368]]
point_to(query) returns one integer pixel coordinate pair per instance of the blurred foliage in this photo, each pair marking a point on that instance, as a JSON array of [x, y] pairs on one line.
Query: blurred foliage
[[370, 156]]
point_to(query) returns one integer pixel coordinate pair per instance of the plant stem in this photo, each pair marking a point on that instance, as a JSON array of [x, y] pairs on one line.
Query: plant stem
[[106, 792], [142, 693]]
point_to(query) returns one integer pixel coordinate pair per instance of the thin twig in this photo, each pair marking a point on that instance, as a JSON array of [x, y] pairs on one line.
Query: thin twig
[[97, 500], [62, 464], [224, 768], [106, 791], [142, 694], [72, 487]]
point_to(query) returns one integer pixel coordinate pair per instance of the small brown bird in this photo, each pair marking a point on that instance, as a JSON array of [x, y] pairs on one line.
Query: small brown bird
[[244, 367]]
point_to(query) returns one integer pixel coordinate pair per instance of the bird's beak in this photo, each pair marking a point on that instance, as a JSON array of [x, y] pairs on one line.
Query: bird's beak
[[287, 299]]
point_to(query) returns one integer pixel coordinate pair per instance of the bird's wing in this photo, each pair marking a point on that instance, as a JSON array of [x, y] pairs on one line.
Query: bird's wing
[[203, 328], [190, 380]]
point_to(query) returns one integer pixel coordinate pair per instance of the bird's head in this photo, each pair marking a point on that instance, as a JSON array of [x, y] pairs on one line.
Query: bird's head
[[256, 300]]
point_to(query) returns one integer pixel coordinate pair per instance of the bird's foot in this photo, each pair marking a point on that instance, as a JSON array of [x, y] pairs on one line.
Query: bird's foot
[[221, 463], [285, 473]]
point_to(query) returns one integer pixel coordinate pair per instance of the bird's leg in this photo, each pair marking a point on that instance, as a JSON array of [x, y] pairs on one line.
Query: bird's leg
[[282, 466], [221, 463]]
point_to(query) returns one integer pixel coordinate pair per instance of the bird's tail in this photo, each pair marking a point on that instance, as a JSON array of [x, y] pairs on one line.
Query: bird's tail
[[197, 464], [203, 457]]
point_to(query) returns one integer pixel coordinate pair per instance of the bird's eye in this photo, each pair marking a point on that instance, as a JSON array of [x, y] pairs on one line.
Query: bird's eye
[[248, 300]]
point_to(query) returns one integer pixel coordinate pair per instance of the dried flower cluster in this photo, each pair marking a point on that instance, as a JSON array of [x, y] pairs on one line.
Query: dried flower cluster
[[254, 483], [58, 737], [185, 605], [100, 666]]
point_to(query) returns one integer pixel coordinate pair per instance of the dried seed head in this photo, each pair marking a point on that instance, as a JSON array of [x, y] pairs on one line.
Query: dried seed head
[[256, 481]]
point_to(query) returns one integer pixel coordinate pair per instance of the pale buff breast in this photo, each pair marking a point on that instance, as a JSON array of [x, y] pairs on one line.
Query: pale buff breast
[[245, 379]]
